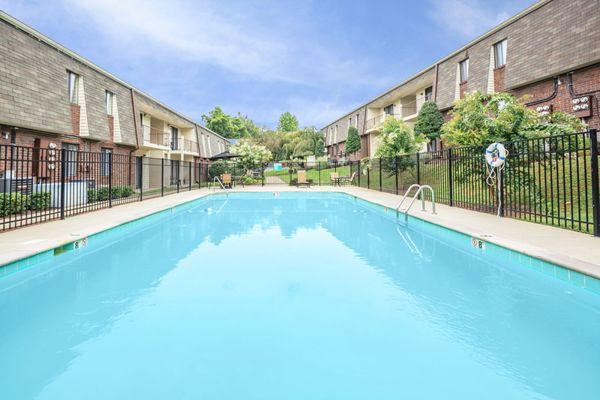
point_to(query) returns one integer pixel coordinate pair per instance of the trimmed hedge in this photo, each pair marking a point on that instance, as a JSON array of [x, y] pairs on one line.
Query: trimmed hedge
[[101, 194], [12, 203], [39, 201]]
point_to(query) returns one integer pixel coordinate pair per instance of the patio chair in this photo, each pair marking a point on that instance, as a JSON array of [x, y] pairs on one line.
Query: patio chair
[[347, 180], [335, 178], [302, 178], [226, 179]]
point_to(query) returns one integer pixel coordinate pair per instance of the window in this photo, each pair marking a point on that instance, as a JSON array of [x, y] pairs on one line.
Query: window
[[70, 158], [500, 54], [389, 110], [73, 85], [174, 138], [357, 120], [105, 161], [429, 93], [350, 122], [464, 70], [109, 102]]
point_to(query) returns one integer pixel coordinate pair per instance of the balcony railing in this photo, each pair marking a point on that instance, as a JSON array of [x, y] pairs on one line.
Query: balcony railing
[[378, 120], [156, 136], [188, 146]]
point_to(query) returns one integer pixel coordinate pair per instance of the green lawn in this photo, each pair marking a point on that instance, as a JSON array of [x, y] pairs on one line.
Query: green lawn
[[558, 192]]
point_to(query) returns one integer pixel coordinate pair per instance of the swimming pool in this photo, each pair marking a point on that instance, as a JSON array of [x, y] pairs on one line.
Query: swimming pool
[[294, 296]]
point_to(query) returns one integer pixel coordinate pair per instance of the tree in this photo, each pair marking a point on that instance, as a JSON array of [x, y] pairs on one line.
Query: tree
[[251, 155], [397, 139], [429, 121], [483, 119], [219, 122], [227, 126], [352, 141], [307, 142], [287, 122]]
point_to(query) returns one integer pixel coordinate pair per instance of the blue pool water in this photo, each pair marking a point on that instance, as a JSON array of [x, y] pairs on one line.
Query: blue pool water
[[297, 296]]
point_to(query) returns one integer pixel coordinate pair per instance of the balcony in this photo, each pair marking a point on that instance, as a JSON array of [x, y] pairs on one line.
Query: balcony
[[185, 146], [374, 124], [155, 138]]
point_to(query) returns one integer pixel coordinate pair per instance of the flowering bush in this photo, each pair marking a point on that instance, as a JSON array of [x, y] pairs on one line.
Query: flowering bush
[[251, 156]]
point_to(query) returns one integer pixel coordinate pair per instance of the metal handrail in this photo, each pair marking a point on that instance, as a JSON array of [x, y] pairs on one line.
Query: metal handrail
[[421, 187], [414, 185], [216, 179]]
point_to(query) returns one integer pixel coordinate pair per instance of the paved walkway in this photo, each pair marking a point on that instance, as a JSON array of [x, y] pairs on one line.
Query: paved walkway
[[574, 250]]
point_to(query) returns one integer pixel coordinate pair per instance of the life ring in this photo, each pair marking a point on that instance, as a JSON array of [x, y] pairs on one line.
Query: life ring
[[495, 155]]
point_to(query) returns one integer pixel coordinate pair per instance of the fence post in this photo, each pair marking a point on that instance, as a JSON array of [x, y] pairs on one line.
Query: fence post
[[178, 174], [380, 178], [190, 175], [63, 176], [595, 182], [396, 165], [140, 161], [110, 176], [450, 185], [501, 192], [358, 172], [319, 169], [418, 168], [262, 174], [162, 177], [368, 177]]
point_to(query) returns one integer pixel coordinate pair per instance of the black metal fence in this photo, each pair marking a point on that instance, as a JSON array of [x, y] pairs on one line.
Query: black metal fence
[[42, 184], [551, 180]]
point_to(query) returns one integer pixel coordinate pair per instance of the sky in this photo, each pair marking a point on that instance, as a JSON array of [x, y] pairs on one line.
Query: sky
[[317, 59]]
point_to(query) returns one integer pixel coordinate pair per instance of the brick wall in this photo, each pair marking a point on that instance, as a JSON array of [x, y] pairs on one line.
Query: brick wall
[[343, 125], [33, 89], [561, 35], [585, 81]]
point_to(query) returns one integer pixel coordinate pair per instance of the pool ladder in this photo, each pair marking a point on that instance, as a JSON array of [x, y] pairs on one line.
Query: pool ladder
[[420, 194], [216, 179]]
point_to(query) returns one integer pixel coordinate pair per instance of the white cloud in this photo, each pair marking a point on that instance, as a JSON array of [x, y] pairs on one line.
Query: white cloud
[[467, 18], [234, 36]]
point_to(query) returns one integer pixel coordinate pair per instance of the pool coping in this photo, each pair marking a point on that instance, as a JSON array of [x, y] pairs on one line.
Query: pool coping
[[373, 197]]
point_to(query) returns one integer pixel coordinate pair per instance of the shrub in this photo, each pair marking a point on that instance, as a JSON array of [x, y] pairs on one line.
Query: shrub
[[121, 191], [248, 180], [429, 121], [218, 168], [352, 141], [101, 193], [39, 201], [12, 203]]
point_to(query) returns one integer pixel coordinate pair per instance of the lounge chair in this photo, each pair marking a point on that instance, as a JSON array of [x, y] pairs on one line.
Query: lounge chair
[[347, 180], [302, 178], [335, 178], [226, 179]]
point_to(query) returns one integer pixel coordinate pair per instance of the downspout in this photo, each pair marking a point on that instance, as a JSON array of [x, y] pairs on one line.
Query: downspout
[[137, 140], [435, 83], [135, 126]]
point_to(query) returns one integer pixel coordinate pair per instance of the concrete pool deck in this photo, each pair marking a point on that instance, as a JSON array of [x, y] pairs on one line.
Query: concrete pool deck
[[574, 250]]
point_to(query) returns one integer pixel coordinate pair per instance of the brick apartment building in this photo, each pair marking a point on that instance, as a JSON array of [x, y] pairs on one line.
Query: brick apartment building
[[52, 98], [550, 52]]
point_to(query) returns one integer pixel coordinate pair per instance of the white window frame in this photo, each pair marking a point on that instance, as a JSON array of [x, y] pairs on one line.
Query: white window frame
[[463, 70], [73, 87], [110, 96], [500, 53]]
